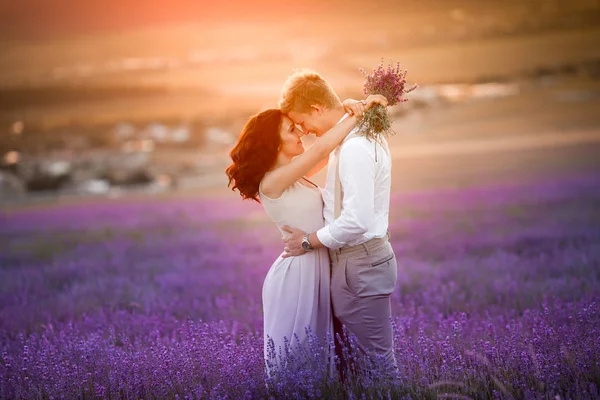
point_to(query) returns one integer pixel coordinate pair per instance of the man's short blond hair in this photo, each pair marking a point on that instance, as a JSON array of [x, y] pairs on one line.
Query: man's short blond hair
[[305, 88]]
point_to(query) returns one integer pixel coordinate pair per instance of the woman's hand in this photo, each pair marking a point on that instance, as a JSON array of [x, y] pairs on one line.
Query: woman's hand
[[375, 99], [358, 107], [354, 107]]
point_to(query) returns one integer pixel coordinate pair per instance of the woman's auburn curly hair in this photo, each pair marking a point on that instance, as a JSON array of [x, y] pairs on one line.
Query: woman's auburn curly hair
[[255, 153]]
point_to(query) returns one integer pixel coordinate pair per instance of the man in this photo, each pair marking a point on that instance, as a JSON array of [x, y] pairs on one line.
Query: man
[[356, 210]]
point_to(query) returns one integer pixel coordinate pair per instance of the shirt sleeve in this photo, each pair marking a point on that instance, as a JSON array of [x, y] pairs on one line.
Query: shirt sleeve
[[357, 176]]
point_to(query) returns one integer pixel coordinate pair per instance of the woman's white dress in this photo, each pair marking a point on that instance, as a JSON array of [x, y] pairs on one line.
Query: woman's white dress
[[296, 291]]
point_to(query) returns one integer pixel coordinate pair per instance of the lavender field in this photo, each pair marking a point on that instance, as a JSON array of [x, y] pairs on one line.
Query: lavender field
[[497, 297]]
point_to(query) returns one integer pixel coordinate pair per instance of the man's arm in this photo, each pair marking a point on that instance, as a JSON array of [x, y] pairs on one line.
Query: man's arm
[[293, 243], [357, 176]]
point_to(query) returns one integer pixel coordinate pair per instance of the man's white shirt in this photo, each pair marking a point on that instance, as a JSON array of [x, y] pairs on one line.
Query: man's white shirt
[[366, 185]]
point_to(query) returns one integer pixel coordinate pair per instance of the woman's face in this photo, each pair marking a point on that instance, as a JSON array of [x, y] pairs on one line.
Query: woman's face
[[291, 142]]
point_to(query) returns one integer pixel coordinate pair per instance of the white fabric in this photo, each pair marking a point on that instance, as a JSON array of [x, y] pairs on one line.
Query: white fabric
[[337, 194], [365, 168], [296, 291]]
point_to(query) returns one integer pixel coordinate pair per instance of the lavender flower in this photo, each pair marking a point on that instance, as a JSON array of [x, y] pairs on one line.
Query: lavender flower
[[391, 83], [162, 300]]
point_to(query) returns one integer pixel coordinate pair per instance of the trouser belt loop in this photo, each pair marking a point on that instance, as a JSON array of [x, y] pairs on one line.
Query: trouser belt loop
[[366, 248]]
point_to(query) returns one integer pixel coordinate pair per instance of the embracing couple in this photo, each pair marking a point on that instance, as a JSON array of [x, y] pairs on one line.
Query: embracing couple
[[338, 267]]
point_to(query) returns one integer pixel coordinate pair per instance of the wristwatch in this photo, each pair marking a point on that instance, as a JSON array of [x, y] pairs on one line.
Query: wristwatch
[[306, 244]]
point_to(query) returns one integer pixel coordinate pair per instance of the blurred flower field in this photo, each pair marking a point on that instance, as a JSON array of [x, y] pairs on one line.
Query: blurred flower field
[[497, 297]]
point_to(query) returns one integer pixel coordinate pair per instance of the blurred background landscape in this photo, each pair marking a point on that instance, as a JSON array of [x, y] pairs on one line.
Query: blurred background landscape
[[110, 98], [128, 269]]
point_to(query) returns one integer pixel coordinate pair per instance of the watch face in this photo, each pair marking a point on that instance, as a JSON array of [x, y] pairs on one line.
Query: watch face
[[306, 245]]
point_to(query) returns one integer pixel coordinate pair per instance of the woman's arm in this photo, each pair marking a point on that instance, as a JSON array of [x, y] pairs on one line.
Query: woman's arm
[[352, 107], [317, 168], [274, 184]]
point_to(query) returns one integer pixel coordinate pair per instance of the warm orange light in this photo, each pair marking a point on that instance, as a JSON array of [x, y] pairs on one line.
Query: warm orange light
[[12, 157], [17, 127], [132, 146], [164, 180]]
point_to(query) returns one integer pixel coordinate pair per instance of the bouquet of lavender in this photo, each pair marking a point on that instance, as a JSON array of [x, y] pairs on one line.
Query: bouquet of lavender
[[391, 83]]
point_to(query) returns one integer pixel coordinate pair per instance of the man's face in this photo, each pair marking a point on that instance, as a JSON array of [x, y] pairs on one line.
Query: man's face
[[313, 122]]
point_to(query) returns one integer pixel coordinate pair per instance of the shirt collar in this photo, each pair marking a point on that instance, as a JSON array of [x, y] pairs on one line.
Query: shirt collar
[[343, 118], [347, 136]]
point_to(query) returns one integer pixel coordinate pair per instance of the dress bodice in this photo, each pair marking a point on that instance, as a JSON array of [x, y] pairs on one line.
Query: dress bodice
[[299, 207]]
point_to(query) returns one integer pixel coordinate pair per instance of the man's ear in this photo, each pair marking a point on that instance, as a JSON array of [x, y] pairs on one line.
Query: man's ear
[[317, 108]]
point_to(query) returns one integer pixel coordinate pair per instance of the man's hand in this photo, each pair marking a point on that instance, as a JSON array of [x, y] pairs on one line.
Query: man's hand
[[293, 243]]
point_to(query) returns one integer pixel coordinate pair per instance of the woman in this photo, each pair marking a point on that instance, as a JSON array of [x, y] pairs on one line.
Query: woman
[[271, 166]]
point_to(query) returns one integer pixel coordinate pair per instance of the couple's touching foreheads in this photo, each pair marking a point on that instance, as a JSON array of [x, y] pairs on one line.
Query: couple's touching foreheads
[[338, 268]]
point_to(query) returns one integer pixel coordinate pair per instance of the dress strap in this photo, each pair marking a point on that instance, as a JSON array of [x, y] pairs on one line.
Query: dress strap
[[311, 182]]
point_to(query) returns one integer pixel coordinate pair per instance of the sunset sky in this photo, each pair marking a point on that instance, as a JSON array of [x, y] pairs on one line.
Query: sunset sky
[[244, 49], [42, 18]]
